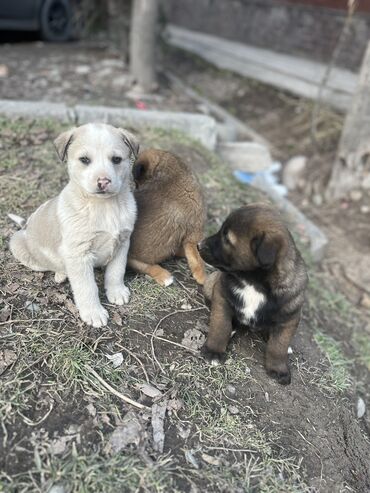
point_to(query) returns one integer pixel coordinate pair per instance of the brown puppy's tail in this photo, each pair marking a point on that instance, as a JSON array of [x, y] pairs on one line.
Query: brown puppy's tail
[[20, 221]]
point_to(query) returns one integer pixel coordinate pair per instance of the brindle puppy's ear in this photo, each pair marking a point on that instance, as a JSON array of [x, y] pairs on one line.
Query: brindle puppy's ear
[[131, 141], [265, 248], [62, 142]]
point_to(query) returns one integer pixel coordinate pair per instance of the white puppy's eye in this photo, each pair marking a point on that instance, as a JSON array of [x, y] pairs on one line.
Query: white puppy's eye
[[116, 159], [85, 160]]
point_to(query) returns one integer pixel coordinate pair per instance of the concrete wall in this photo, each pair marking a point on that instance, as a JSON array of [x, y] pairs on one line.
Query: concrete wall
[[289, 27]]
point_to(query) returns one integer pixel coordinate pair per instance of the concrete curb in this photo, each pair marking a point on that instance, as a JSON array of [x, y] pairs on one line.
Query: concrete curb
[[200, 127], [318, 240], [295, 74]]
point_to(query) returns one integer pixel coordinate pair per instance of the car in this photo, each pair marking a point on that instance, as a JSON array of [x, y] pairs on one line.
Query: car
[[52, 18]]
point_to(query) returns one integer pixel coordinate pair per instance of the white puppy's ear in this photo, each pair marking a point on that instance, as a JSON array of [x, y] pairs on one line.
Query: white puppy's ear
[[62, 142], [131, 141]]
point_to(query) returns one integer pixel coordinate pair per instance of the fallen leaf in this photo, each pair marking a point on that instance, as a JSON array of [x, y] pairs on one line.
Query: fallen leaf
[[7, 358], [13, 287], [130, 430], [32, 307], [233, 410], [116, 359], [183, 432], [91, 409], [149, 390], [59, 445], [175, 404], [193, 339], [5, 313], [158, 415]]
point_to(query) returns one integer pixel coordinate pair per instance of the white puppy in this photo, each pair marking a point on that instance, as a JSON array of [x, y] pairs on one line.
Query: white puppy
[[90, 222]]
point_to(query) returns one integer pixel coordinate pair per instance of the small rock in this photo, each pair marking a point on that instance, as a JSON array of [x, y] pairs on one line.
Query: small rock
[[361, 407], [185, 306], [82, 69], [7, 358], [175, 405], [231, 390], [366, 182], [267, 397], [365, 301], [91, 409], [183, 432], [112, 63], [293, 172], [4, 70], [355, 195], [290, 350], [233, 410], [57, 488], [365, 209], [317, 199], [120, 81], [193, 339]]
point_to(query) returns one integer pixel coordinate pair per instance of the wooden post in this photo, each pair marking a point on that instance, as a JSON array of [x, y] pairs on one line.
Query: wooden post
[[351, 168], [143, 38]]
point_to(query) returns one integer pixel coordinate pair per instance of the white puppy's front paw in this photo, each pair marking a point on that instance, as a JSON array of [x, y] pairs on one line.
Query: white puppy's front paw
[[118, 295], [97, 316]]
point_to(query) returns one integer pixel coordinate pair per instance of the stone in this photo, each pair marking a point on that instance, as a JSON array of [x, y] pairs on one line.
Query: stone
[[245, 156], [317, 199], [365, 209], [355, 195], [293, 172], [366, 182], [198, 127], [120, 81], [82, 69], [4, 71]]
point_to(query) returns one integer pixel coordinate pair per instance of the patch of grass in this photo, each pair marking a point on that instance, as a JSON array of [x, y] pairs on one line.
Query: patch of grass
[[79, 473], [148, 296], [225, 426], [362, 345], [338, 377]]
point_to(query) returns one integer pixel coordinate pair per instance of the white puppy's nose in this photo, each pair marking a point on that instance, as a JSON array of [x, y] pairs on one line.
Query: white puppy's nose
[[103, 183]]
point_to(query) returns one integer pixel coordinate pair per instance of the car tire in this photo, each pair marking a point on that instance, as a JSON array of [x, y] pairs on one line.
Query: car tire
[[56, 20]]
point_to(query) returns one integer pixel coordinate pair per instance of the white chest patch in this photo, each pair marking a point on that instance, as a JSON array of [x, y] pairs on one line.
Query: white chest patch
[[251, 301]]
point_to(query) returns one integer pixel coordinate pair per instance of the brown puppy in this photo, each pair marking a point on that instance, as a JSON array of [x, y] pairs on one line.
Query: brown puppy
[[171, 214], [261, 284]]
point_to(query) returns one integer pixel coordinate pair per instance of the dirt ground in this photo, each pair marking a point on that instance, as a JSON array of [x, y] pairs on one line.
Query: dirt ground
[[80, 73], [228, 428], [225, 429]]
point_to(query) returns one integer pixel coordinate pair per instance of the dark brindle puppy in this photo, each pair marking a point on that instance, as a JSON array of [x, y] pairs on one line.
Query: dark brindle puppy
[[261, 284]]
